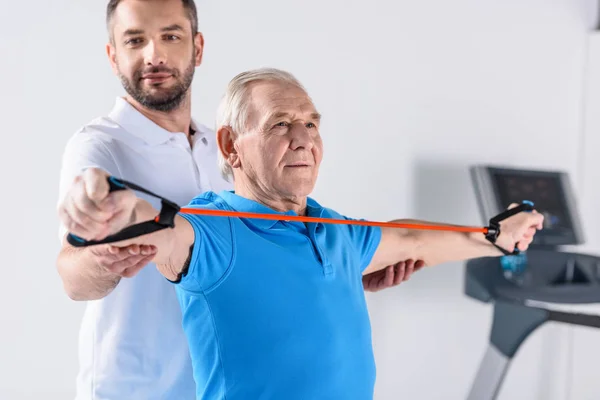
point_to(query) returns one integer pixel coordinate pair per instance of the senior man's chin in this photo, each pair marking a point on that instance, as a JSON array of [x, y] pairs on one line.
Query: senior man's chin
[[297, 187], [300, 189], [299, 177]]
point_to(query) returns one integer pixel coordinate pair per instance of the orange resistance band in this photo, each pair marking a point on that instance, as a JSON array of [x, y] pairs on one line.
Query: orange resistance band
[[279, 217]]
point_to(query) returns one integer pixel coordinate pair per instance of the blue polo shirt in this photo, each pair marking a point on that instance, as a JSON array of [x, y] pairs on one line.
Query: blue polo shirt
[[275, 309]]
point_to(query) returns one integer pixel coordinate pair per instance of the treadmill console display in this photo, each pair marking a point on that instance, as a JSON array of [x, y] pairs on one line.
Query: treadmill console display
[[550, 191]]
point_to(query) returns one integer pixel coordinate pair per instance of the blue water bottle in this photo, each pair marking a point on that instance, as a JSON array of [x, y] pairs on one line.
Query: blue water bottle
[[514, 266]]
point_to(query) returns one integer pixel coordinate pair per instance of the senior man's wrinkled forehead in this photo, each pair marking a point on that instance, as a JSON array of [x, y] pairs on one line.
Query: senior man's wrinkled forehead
[[271, 101]]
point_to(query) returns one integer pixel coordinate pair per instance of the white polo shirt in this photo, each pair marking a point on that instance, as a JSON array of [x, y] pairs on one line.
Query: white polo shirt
[[131, 343]]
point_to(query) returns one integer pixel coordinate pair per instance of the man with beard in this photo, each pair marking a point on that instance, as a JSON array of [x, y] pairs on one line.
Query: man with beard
[[150, 138]]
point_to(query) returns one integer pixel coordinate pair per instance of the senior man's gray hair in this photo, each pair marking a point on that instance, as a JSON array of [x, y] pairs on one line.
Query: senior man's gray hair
[[234, 106]]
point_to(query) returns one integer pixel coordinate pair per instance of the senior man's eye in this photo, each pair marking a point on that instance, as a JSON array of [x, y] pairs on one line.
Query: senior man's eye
[[281, 124]]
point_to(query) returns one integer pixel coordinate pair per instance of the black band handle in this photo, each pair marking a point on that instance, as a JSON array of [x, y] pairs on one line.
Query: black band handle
[[494, 228], [115, 184], [165, 219]]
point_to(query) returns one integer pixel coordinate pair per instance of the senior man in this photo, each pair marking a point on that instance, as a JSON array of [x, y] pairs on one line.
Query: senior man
[[285, 298]]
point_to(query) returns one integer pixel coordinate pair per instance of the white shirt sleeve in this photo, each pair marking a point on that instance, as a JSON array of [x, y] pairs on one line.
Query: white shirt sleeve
[[84, 150]]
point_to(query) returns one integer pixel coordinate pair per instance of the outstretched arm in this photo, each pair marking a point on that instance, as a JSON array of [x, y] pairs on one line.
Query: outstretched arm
[[91, 273], [91, 216], [438, 247]]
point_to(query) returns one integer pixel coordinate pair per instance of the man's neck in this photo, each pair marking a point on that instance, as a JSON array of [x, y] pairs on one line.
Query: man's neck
[[178, 120], [251, 192]]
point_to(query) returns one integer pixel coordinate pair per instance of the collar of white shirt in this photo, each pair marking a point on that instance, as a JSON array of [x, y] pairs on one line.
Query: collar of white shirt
[[137, 124]]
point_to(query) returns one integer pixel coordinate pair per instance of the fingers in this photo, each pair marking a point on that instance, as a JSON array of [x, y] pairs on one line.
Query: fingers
[[106, 255], [524, 243], [388, 278], [133, 270], [91, 212], [418, 265], [122, 200], [79, 223], [119, 260], [379, 279], [369, 281], [131, 265], [526, 240], [407, 268], [83, 217], [401, 271], [530, 232], [116, 253], [79, 210], [537, 219], [410, 268], [533, 223], [81, 200], [73, 226], [531, 219], [520, 229], [376, 281], [96, 184], [392, 275], [123, 203]]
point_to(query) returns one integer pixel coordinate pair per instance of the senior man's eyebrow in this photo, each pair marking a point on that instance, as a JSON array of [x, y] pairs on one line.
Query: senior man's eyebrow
[[274, 117], [315, 116], [279, 115]]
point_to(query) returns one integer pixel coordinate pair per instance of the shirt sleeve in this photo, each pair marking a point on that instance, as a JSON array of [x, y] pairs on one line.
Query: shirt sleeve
[[212, 252], [363, 239], [366, 239], [83, 150]]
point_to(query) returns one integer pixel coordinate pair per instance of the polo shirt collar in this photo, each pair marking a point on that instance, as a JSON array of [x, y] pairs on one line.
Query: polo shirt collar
[[137, 124], [242, 204]]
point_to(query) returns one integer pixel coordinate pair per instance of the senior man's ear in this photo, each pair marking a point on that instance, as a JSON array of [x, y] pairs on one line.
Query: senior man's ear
[[226, 141]]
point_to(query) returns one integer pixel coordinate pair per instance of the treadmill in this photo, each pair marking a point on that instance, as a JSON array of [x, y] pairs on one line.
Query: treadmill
[[520, 286]]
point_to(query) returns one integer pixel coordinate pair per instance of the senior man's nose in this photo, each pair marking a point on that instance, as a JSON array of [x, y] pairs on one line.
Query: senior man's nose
[[301, 137]]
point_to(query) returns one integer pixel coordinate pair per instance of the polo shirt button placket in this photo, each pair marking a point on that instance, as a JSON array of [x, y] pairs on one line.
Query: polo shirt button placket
[[325, 264]]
